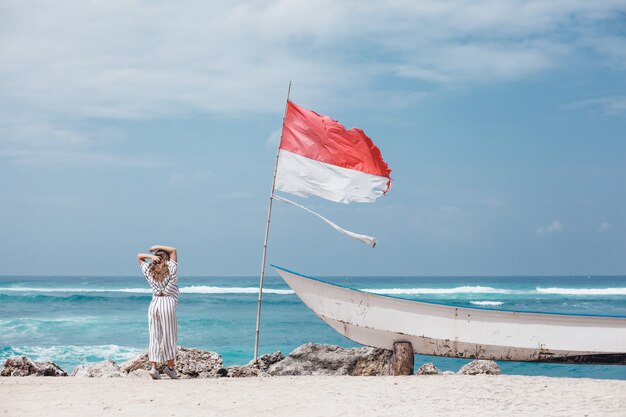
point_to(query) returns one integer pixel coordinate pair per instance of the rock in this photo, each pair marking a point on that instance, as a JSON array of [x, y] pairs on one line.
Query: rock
[[190, 363], [139, 374], [314, 359], [104, 369], [448, 373], [428, 369], [255, 368], [25, 366], [480, 367], [139, 362]]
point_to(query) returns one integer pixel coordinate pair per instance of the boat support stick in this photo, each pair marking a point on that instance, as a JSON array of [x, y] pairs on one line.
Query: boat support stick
[[267, 233]]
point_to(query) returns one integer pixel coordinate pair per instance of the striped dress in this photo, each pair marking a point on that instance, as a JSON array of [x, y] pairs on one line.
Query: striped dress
[[162, 322]]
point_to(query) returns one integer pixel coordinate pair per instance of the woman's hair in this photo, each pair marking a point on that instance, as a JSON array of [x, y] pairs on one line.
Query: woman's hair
[[159, 270]]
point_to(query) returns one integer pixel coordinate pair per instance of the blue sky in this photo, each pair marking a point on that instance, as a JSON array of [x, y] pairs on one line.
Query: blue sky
[[125, 124]]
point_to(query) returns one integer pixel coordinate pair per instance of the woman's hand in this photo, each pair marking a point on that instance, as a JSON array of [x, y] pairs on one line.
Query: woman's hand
[[169, 249], [141, 257]]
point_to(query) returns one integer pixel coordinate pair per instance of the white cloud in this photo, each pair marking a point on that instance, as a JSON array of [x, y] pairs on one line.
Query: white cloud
[[610, 105], [66, 61], [479, 62], [133, 60], [554, 227], [604, 227], [41, 144]]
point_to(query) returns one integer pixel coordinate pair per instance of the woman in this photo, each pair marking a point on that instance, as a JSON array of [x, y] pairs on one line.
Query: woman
[[162, 275]]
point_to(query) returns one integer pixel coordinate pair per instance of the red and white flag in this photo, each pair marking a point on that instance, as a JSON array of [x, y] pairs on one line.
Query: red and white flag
[[319, 156]]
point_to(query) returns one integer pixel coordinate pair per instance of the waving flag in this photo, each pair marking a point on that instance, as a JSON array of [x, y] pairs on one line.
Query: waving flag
[[318, 156]]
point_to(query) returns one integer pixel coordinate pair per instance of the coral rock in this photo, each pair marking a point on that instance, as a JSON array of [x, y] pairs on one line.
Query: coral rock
[[314, 359], [480, 367], [104, 369], [259, 367], [25, 366], [190, 363], [428, 369]]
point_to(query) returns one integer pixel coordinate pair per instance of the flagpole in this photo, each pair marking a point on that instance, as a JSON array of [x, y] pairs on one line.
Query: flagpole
[[267, 232]]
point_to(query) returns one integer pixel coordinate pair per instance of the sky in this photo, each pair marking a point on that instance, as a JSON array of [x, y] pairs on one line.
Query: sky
[[127, 124]]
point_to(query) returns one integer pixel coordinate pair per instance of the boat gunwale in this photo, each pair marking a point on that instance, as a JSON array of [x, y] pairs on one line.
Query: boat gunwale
[[476, 308]]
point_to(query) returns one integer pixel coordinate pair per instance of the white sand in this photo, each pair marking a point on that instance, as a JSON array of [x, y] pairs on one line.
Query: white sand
[[452, 395]]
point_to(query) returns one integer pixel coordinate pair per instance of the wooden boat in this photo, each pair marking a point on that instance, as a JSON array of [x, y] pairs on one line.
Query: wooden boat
[[459, 332]]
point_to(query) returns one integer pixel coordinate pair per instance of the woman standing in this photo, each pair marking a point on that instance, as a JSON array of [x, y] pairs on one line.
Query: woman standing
[[162, 275]]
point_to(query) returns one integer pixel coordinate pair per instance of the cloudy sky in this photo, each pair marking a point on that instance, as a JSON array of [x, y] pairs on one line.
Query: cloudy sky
[[124, 124]]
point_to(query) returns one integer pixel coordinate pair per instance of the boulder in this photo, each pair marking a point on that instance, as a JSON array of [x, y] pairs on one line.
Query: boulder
[[254, 368], [314, 359], [139, 362], [139, 374], [480, 367], [428, 369], [25, 366], [190, 363], [104, 369]]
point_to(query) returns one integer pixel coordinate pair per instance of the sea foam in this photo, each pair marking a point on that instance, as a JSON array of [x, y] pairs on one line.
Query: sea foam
[[487, 303], [72, 353], [582, 291], [208, 289], [195, 289], [455, 290]]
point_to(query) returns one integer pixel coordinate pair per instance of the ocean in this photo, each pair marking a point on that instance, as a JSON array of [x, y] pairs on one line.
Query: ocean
[[80, 320]]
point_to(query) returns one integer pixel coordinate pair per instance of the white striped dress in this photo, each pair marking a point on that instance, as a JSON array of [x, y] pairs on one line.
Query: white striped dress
[[162, 322]]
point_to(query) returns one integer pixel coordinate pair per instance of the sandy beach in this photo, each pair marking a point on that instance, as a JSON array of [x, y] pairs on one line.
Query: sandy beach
[[314, 396]]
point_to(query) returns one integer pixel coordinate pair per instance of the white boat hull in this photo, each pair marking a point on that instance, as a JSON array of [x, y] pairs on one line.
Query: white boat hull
[[441, 330]]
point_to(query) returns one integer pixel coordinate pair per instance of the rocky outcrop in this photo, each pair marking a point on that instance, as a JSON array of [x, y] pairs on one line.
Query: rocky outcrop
[[428, 369], [314, 359], [25, 366], [480, 367], [256, 368], [139, 374], [190, 363], [104, 369], [139, 362]]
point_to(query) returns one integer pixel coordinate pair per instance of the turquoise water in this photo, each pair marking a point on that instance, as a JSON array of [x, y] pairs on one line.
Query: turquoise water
[[78, 320]]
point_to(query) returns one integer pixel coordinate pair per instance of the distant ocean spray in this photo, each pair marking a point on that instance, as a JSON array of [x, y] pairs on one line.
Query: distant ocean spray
[[78, 320]]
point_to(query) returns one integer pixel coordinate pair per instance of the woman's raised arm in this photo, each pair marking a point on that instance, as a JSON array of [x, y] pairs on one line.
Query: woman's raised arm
[[141, 257], [169, 249]]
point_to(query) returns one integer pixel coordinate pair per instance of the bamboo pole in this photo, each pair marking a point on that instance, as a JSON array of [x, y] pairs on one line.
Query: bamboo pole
[[267, 232]]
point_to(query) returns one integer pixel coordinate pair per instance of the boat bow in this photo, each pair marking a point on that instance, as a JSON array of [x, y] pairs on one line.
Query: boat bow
[[460, 332]]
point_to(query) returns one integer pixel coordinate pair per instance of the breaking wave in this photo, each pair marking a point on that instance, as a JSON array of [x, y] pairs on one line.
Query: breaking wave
[[209, 289], [72, 354], [487, 303], [195, 289], [582, 291], [75, 290], [456, 290], [205, 289]]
